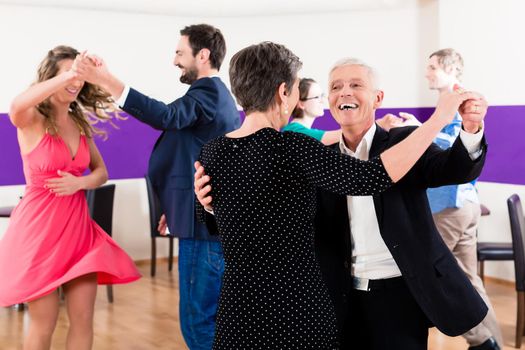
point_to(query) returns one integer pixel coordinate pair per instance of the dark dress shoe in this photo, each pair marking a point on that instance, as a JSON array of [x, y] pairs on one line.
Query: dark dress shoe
[[489, 344]]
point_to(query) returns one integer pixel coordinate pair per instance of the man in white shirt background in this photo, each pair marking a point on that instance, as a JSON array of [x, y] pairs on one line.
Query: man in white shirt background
[[455, 208]]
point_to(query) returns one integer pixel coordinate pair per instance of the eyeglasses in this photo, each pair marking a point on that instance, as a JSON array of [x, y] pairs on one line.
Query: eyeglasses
[[319, 97]]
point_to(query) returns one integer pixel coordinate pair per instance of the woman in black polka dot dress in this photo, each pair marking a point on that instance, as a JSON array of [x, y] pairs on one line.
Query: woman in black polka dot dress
[[263, 186]]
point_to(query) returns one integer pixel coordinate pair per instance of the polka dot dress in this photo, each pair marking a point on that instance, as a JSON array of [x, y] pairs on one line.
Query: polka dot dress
[[263, 188]]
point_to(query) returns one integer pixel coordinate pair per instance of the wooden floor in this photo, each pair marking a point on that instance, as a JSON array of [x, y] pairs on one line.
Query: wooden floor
[[144, 316]]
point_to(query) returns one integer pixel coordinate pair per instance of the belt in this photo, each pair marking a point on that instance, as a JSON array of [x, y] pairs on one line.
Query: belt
[[366, 285]]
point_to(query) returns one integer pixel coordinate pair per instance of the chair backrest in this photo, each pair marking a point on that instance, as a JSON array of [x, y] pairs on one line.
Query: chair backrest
[[155, 210], [100, 204], [517, 229]]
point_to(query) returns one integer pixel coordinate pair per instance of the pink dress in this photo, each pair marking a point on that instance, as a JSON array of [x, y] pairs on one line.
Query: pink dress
[[52, 240]]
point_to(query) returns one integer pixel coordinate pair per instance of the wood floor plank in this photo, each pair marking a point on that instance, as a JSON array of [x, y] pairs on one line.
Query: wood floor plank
[[145, 316]]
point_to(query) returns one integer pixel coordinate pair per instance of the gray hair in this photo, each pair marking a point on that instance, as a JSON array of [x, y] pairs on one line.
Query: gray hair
[[257, 71], [350, 61], [450, 58]]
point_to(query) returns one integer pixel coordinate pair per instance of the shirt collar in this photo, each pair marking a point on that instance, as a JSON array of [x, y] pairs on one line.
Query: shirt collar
[[363, 146]]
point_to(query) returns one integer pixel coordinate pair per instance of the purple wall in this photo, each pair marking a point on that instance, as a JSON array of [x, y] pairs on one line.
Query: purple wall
[[127, 150], [504, 126]]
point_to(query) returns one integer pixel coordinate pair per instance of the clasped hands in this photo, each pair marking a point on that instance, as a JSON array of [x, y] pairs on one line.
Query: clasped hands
[[88, 67]]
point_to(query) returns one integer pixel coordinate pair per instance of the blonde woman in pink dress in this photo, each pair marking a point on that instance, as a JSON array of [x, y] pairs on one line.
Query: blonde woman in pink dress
[[51, 240]]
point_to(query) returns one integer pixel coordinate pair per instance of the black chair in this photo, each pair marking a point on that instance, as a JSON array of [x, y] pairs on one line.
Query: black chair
[[517, 229], [100, 204], [494, 251], [155, 211], [5, 212]]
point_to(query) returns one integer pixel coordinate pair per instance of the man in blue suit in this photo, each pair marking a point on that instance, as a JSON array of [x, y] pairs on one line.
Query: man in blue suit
[[206, 111]]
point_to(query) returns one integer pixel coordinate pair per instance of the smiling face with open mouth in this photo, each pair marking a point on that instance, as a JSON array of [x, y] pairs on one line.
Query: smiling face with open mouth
[[71, 91], [353, 97], [186, 61]]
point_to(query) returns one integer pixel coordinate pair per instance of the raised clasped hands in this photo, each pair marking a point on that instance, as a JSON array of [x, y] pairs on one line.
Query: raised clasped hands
[[89, 67], [471, 106], [473, 113]]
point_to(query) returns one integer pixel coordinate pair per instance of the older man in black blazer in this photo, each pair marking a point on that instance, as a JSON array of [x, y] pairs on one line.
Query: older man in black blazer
[[389, 272]]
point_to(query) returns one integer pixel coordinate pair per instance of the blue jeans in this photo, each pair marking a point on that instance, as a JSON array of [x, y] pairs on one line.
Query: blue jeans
[[201, 266]]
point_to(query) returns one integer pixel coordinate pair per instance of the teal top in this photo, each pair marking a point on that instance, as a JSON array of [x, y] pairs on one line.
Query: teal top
[[297, 127]]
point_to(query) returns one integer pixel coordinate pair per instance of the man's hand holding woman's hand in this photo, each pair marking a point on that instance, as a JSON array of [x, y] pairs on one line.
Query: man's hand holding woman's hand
[[202, 187]]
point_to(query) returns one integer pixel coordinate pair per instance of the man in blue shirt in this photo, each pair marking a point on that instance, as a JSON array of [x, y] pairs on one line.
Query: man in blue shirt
[[455, 208]]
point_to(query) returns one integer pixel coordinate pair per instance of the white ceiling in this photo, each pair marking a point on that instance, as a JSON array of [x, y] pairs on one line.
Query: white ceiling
[[219, 8]]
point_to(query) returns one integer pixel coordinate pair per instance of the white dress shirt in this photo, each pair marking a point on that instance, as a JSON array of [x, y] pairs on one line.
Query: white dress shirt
[[123, 97], [370, 256]]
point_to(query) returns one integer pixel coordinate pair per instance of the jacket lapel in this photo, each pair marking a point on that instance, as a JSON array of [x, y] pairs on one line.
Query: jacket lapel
[[342, 207], [379, 144]]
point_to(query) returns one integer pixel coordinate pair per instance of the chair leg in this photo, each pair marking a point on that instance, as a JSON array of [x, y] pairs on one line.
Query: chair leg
[[520, 318], [170, 258], [523, 315], [482, 271], [109, 289], [153, 256]]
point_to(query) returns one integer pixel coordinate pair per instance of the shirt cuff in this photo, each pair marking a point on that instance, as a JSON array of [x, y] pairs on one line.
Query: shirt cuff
[[472, 142], [123, 97], [209, 211]]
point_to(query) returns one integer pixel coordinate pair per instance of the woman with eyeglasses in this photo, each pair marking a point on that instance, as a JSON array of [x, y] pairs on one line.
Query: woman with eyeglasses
[[309, 107]]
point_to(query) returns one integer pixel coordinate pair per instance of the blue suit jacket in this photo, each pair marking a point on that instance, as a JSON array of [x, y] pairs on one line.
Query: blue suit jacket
[[205, 112]]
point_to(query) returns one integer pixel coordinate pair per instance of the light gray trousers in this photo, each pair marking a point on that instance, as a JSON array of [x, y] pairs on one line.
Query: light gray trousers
[[458, 228]]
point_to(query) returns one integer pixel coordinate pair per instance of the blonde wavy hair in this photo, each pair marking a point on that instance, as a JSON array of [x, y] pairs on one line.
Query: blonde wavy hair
[[92, 106]]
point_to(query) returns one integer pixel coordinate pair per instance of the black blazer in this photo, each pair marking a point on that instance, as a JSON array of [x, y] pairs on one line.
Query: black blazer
[[431, 272]]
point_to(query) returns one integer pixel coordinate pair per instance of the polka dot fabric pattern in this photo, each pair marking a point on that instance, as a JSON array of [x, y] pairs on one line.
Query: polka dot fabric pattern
[[263, 187]]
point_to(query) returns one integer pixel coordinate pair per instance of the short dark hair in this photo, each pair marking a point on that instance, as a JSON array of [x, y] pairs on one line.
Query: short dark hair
[[205, 36], [257, 71], [304, 88]]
